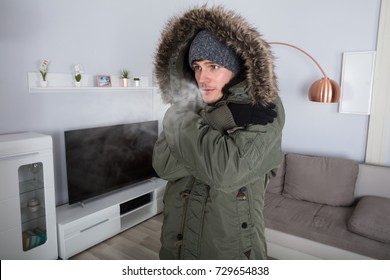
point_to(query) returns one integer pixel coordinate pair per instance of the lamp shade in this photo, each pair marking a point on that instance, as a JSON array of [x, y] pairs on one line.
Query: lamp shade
[[324, 90]]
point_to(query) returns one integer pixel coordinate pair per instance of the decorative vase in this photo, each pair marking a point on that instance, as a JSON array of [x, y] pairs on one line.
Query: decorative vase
[[77, 84], [125, 82], [136, 83], [33, 204], [43, 83]]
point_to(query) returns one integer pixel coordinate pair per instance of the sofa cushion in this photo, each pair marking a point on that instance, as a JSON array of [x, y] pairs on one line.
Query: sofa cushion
[[321, 223], [276, 183], [371, 218], [322, 180]]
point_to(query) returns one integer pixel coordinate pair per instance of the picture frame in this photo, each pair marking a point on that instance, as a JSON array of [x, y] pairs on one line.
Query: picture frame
[[356, 82], [103, 80]]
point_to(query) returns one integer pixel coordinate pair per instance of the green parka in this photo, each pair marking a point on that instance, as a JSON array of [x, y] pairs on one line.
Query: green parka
[[213, 203]]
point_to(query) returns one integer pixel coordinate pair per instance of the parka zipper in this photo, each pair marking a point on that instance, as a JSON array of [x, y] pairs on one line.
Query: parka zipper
[[184, 195]]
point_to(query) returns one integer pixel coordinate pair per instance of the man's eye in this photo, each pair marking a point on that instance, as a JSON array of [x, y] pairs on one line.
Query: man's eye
[[215, 66], [196, 68]]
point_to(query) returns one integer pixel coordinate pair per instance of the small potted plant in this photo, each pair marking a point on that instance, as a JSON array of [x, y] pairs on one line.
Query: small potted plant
[[125, 77], [78, 71], [43, 70], [136, 81]]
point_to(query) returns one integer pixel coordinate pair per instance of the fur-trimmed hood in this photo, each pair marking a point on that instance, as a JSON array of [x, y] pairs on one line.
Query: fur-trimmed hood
[[171, 55]]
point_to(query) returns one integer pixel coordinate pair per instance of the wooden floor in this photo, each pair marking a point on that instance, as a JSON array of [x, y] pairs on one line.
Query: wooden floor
[[141, 242]]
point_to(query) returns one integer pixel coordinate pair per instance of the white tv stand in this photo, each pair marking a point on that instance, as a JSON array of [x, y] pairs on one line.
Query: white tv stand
[[82, 226]]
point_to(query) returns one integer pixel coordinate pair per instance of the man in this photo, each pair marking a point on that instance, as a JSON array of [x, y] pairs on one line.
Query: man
[[217, 153]]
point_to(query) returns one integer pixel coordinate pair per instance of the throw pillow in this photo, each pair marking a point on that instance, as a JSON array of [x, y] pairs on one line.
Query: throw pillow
[[321, 180], [371, 218]]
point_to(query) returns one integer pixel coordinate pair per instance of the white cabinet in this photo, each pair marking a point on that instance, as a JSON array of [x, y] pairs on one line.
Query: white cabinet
[[81, 226], [27, 198]]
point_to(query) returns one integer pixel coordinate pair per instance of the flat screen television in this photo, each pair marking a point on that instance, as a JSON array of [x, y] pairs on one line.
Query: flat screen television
[[104, 159]]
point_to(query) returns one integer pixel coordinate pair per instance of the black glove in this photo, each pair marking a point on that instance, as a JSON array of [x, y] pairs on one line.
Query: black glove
[[245, 114]]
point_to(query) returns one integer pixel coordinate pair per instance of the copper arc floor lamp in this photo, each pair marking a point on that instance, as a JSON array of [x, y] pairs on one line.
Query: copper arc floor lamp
[[324, 90]]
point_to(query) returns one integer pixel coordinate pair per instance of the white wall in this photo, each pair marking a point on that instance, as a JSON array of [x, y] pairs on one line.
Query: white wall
[[106, 36]]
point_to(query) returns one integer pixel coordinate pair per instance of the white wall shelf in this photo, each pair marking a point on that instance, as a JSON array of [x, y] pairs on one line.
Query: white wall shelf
[[64, 83], [87, 89]]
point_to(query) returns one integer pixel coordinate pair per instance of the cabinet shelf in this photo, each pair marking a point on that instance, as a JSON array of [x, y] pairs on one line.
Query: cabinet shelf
[[29, 186], [28, 216]]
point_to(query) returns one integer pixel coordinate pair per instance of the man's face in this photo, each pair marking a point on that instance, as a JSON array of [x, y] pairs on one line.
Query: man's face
[[211, 78]]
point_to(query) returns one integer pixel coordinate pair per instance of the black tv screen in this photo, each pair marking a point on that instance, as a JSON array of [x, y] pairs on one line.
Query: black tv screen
[[103, 159]]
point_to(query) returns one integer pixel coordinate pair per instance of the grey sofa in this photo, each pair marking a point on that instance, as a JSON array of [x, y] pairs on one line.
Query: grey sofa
[[328, 208]]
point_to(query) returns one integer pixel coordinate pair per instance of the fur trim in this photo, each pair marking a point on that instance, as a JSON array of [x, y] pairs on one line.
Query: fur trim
[[232, 30]]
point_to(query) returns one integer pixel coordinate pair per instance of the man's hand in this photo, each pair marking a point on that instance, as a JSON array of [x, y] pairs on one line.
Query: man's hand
[[245, 114]]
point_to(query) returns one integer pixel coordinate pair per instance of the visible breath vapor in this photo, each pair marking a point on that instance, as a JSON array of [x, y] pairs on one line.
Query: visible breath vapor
[[184, 91]]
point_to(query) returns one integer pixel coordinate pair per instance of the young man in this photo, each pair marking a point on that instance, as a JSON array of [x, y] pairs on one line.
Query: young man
[[218, 151]]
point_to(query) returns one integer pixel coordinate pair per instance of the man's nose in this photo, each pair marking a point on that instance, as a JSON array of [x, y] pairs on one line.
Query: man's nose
[[203, 77]]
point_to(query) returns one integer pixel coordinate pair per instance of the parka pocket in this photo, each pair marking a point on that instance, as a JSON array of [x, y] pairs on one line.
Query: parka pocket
[[245, 220], [174, 214], [179, 237]]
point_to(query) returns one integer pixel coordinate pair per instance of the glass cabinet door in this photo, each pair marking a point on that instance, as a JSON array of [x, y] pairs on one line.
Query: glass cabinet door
[[32, 205]]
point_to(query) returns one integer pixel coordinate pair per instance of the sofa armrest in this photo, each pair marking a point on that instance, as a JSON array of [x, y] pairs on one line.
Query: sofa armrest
[[373, 180]]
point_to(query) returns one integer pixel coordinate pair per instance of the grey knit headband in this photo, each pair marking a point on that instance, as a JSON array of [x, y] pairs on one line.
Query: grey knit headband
[[206, 46]]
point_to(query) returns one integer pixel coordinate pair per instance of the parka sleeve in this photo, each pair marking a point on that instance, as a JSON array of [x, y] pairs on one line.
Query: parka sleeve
[[164, 163], [224, 162]]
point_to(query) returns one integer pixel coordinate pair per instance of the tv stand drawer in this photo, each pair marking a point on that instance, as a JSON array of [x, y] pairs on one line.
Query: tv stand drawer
[[78, 235]]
